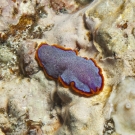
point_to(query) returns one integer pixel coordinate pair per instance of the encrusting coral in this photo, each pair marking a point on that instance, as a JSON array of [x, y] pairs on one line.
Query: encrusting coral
[[122, 104]]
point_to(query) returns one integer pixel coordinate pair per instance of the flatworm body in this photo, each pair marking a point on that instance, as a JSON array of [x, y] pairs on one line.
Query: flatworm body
[[81, 74]]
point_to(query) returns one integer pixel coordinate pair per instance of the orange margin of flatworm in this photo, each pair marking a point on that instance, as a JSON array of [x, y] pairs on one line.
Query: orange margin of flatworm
[[72, 84]]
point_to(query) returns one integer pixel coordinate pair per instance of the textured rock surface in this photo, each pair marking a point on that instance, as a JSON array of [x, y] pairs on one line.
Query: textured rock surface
[[27, 62], [99, 29], [115, 34], [122, 102], [20, 113]]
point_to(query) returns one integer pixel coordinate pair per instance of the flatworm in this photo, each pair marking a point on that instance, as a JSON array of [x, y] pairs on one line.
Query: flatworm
[[81, 74]]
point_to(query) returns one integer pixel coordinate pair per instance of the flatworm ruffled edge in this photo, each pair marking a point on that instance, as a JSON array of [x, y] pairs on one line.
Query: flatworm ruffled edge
[[72, 84]]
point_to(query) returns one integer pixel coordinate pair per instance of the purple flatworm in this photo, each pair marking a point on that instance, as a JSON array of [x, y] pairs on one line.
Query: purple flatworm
[[81, 74]]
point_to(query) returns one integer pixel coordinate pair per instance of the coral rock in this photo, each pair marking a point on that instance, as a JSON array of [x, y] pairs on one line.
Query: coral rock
[[27, 60], [123, 106]]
